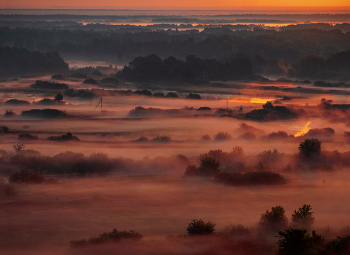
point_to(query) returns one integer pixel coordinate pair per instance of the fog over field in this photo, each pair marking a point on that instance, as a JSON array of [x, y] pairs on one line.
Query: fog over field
[[163, 132]]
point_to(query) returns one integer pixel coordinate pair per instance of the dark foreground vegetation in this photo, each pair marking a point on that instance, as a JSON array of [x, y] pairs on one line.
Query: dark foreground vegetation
[[113, 236]]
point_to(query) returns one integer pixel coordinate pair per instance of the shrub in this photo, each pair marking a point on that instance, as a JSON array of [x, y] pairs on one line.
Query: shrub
[[61, 138], [172, 95], [48, 85], [200, 227], [275, 220], [193, 96], [250, 178], [113, 236], [303, 217], [143, 92], [16, 102], [162, 139], [44, 113], [310, 148], [222, 136], [26, 177], [338, 246], [27, 137], [59, 97], [9, 113]]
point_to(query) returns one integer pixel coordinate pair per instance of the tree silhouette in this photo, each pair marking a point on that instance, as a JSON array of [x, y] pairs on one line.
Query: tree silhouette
[[310, 148], [200, 227], [303, 217], [274, 220]]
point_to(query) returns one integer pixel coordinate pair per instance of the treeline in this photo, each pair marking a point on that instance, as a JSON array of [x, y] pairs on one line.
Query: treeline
[[194, 70], [19, 61], [124, 44]]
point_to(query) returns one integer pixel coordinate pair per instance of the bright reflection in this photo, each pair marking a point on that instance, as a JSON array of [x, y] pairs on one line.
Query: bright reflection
[[250, 100], [303, 130]]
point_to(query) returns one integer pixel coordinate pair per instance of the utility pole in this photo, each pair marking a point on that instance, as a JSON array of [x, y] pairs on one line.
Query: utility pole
[[98, 104]]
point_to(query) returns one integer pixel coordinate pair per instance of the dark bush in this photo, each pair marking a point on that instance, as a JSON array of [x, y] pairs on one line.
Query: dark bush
[[27, 137], [250, 178], [16, 102], [62, 138], [143, 92], [200, 227], [57, 76], [208, 167], [277, 135], [172, 95], [310, 148], [296, 241], [46, 101], [59, 97], [26, 177], [48, 85], [9, 113], [113, 236], [222, 136], [162, 139], [194, 96], [44, 113], [82, 93], [159, 94], [89, 81]]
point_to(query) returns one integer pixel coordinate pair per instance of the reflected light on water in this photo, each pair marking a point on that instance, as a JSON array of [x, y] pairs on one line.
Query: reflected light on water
[[303, 130]]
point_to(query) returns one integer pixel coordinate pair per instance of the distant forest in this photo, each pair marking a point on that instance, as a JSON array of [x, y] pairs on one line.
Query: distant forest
[[303, 50], [14, 61]]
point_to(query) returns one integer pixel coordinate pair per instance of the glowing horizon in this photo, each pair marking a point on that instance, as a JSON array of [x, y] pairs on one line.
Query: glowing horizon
[[180, 5]]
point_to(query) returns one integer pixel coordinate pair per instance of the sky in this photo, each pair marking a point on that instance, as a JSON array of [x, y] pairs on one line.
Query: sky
[[179, 4]]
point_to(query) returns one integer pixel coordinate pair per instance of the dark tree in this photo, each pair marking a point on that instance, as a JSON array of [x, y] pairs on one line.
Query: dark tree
[[200, 227], [303, 217], [310, 148], [59, 97], [274, 220]]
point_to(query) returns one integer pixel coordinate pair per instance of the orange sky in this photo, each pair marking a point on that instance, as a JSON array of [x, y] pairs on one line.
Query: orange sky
[[182, 4]]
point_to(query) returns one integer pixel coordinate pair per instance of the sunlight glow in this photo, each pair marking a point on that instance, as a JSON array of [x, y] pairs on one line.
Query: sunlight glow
[[303, 130], [250, 100]]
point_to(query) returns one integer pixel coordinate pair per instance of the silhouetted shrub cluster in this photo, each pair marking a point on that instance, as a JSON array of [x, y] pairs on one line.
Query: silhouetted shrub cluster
[[82, 93], [90, 81], [271, 112], [77, 163], [27, 137], [44, 113], [113, 236], [200, 227], [26, 177], [62, 138], [16, 102], [250, 178], [48, 85]]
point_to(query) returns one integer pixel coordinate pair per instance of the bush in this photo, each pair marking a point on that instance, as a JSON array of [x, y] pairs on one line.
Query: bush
[[16, 102], [61, 138], [27, 137], [222, 136], [44, 113], [26, 177], [200, 227], [89, 81], [162, 139], [275, 220], [250, 178], [310, 148], [113, 236], [193, 96], [48, 85]]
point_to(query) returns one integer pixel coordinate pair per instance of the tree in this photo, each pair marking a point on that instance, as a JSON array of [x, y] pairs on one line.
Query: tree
[[295, 241], [58, 97], [275, 220], [209, 166], [303, 217], [310, 148], [200, 227]]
